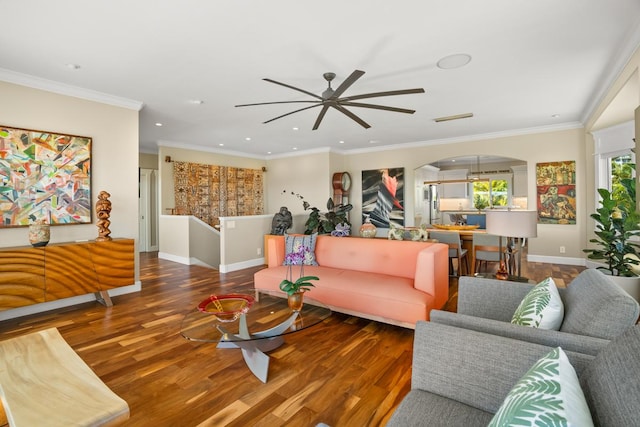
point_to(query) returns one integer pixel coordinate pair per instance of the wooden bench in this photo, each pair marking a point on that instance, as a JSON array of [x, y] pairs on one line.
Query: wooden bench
[[43, 381]]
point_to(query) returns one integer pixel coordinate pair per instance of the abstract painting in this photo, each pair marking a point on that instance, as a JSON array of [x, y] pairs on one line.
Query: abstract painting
[[383, 196], [44, 176], [556, 192]]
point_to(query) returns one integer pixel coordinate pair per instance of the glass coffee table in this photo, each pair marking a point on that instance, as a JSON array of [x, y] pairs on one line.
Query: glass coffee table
[[255, 321]]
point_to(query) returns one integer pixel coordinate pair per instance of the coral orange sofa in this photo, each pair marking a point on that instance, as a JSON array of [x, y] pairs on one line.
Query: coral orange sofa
[[391, 281]]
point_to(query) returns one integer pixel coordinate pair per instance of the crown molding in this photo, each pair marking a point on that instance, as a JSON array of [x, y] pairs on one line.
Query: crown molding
[[468, 138], [194, 147], [68, 90]]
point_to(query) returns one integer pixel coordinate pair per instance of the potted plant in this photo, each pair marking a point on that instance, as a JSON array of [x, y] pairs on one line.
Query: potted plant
[[325, 222], [295, 290], [617, 231]]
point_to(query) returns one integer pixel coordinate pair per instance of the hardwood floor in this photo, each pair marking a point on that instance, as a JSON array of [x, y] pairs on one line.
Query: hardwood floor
[[346, 371]]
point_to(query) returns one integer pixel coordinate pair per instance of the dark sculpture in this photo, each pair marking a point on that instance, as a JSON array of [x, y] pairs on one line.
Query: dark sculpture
[[282, 221]]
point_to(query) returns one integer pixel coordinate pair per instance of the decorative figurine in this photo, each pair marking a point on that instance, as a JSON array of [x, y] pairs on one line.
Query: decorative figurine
[[281, 222], [103, 210]]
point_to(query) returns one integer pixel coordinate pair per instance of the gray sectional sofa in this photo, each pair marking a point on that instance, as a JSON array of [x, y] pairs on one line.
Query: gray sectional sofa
[[460, 377], [595, 311]]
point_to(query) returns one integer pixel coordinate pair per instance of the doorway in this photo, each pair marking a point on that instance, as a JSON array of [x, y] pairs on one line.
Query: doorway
[[148, 210]]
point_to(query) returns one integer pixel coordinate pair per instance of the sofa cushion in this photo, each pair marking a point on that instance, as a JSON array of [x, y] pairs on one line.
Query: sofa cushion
[[596, 306], [295, 244], [610, 383], [358, 292], [420, 408], [541, 307], [548, 394]]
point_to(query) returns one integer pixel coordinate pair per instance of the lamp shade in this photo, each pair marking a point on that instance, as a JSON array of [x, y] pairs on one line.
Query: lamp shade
[[516, 223]]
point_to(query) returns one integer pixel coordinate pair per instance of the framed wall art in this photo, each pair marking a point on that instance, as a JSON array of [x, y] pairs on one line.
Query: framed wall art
[[383, 196], [556, 192], [44, 176]]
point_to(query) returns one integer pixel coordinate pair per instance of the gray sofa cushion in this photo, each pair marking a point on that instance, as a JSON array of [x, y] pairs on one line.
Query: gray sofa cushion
[[421, 408], [611, 383], [570, 342], [594, 305]]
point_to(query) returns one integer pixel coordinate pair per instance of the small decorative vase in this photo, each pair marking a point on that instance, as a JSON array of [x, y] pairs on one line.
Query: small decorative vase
[[502, 273], [39, 234], [295, 301], [367, 229]]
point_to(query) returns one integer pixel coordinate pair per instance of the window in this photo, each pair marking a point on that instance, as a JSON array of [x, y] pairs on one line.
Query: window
[[487, 194]]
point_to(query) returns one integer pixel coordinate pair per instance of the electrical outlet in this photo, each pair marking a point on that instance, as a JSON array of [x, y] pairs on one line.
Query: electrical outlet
[[562, 249], [259, 251]]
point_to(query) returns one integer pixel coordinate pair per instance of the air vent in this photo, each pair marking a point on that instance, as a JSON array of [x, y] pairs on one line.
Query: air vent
[[456, 117]]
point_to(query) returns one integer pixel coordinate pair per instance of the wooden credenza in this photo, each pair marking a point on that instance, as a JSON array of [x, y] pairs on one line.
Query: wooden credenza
[[34, 275]]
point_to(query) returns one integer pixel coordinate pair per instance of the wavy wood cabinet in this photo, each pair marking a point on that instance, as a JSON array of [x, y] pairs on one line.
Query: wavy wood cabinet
[[35, 275]]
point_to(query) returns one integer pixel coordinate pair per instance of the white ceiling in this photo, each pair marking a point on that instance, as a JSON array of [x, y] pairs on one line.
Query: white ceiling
[[531, 60]]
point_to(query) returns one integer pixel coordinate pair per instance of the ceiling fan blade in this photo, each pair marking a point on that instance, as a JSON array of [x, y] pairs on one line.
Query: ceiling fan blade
[[292, 112], [324, 110], [277, 102], [351, 115], [294, 88], [347, 83], [378, 107], [378, 94]]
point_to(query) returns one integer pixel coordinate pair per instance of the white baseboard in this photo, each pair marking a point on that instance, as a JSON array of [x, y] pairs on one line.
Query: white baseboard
[[556, 260], [227, 268], [174, 258], [66, 302]]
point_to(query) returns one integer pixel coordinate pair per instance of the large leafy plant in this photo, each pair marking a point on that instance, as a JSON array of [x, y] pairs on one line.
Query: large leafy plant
[[617, 229], [324, 222]]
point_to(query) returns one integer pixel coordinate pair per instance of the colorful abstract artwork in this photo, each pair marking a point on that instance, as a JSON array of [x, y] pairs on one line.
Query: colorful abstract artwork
[[44, 176], [556, 192], [383, 197]]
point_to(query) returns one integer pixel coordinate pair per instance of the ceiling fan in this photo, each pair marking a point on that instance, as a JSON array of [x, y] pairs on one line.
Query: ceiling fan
[[330, 98]]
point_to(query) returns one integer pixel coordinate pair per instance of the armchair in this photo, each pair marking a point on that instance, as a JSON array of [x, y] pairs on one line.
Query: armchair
[[461, 377], [595, 311]]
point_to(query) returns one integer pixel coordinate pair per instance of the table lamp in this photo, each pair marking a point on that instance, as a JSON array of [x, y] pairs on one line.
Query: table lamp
[[513, 224]]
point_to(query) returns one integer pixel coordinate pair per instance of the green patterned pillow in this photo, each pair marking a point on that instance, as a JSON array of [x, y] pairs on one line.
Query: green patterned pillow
[[541, 308], [549, 394]]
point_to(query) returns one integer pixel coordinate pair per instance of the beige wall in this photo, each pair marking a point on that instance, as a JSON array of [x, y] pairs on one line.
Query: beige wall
[[114, 154], [308, 175], [533, 148], [148, 161]]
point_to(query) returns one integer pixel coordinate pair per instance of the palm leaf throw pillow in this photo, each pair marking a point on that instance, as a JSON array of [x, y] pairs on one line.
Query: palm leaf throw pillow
[[549, 394], [541, 308]]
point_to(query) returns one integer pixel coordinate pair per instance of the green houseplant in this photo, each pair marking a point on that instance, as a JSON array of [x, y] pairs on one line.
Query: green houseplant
[[324, 222], [617, 224]]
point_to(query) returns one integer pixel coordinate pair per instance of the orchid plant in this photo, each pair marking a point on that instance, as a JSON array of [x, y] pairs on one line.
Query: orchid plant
[[303, 283]]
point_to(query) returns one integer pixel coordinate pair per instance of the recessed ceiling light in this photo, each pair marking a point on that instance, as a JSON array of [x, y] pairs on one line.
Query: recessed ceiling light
[[373, 142], [454, 61], [268, 152], [295, 148], [221, 144], [453, 160], [196, 102], [295, 128], [555, 116], [73, 66], [158, 124], [248, 139], [341, 142]]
